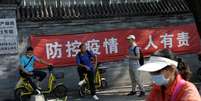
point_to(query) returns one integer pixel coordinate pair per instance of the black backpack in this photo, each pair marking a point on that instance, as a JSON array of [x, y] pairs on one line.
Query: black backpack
[[141, 60]]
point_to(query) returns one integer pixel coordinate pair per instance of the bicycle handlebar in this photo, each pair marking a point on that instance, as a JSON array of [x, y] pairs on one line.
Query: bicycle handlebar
[[50, 68]]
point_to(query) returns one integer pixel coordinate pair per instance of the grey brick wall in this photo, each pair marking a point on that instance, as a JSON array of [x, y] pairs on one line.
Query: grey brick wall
[[117, 73], [7, 62]]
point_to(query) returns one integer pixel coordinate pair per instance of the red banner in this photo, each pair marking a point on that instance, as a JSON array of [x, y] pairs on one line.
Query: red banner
[[112, 45]]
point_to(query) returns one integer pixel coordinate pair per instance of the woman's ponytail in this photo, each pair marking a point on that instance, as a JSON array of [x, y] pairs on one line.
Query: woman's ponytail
[[184, 69]]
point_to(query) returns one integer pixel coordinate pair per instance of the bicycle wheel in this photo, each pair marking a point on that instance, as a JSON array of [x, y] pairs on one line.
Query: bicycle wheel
[[60, 91], [82, 91], [104, 84], [199, 74], [18, 96]]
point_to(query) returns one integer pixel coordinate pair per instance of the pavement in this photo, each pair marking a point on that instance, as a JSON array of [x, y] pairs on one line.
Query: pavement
[[117, 76], [110, 98], [110, 94]]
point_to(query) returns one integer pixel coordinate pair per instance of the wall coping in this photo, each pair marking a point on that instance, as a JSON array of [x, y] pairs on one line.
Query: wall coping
[[8, 6]]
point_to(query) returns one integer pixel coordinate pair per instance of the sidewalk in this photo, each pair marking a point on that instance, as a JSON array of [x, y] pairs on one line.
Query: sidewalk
[[117, 76], [110, 94]]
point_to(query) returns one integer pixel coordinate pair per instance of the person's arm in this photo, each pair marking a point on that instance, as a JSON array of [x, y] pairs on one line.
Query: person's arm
[[95, 61], [190, 93], [42, 61], [94, 58], [24, 71]]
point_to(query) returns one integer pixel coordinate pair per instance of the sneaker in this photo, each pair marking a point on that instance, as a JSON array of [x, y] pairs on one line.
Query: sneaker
[[131, 93], [36, 92], [38, 85], [95, 97], [81, 82], [39, 88], [142, 93]]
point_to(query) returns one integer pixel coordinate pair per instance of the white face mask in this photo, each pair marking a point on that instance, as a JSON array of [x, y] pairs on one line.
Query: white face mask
[[29, 56], [160, 80]]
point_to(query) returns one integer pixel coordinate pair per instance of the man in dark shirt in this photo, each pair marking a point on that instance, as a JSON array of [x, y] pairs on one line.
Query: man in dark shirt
[[84, 61]]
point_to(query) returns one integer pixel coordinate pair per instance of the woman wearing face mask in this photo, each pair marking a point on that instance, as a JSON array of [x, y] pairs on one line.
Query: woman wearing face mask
[[168, 83]]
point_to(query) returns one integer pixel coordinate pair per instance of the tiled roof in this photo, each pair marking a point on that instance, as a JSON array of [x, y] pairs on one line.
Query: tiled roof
[[88, 11]]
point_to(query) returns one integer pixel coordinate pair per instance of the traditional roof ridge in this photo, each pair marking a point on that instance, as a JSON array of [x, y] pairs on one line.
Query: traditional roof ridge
[[93, 11]]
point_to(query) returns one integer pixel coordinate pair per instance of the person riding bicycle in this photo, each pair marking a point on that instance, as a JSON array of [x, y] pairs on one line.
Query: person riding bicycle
[[27, 70], [84, 61]]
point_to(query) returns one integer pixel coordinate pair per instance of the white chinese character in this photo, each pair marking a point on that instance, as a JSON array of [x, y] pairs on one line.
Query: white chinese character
[[93, 45], [72, 48], [183, 39], [111, 45], [151, 43], [53, 50], [167, 40]]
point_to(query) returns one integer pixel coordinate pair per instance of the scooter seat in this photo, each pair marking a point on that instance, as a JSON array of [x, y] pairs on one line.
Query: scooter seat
[[59, 75], [102, 67], [102, 70]]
